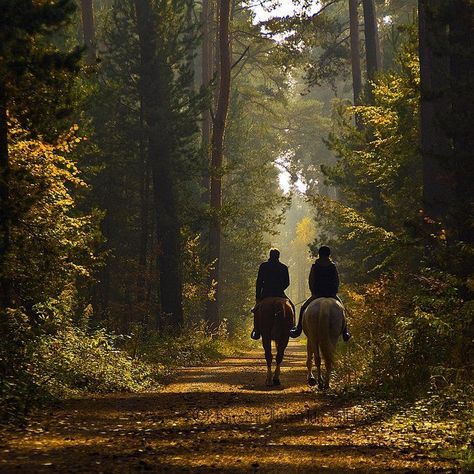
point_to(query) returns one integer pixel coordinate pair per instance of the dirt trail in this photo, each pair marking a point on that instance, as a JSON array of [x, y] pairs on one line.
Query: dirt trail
[[217, 418]]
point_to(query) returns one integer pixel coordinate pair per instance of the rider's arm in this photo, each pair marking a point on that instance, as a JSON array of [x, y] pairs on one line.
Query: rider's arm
[[312, 280], [336, 279], [286, 279], [259, 284]]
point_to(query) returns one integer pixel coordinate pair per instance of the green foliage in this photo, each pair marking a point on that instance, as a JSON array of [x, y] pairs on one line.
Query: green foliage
[[196, 344], [252, 202], [31, 61], [51, 243], [410, 329], [121, 181], [378, 175], [196, 271], [317, 43], [408, 290], [73, 361], [63, 360]]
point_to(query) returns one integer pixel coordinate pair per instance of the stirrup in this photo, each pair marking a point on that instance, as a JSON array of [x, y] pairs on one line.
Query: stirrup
[[296, 332]]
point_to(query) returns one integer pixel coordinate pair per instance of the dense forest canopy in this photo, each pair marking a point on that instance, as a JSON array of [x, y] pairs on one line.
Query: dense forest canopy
[[152, 151]]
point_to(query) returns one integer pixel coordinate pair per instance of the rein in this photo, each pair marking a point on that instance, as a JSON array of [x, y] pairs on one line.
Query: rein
[[301, 302]]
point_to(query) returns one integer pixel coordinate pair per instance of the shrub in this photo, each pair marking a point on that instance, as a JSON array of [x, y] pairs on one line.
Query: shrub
[[73, 361], [196, 344], [409, 330]]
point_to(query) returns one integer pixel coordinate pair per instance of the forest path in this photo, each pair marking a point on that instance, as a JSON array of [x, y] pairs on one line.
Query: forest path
[[216, 418]]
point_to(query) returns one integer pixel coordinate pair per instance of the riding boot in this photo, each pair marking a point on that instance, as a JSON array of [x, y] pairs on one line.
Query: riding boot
[[255, 334], [298, 329], [345, 333]]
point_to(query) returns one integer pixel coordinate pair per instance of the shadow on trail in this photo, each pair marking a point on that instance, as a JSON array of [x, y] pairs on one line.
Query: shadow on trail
[[328, 458], [218, 418]]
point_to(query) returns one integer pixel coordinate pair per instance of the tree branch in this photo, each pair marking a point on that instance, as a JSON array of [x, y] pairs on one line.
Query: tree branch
[[241, 57]]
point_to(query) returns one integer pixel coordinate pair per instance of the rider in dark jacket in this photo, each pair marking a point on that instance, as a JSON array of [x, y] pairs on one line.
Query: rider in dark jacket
[[323, 282], [272, 280]]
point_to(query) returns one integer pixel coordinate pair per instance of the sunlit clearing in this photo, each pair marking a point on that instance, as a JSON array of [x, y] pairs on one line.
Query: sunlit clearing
[[285, 180]]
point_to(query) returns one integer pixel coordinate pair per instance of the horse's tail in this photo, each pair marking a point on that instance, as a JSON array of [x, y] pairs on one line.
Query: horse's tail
[[280, 308], [279, 323], [326, 345]]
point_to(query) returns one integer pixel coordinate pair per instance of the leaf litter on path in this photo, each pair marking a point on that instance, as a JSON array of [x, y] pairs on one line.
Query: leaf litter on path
[[217, 418]]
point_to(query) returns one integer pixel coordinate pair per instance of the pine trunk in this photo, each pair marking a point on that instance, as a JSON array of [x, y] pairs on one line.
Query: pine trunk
[[355, 54], [4, 203], [372, 48], [155, 80], [435, 143], [88, 30], [206, 76], [217, 150], [143, 276], [461, 31]]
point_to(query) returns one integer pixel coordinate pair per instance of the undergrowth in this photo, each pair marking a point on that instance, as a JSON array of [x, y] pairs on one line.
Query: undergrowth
[[412, 354], [72, 361]]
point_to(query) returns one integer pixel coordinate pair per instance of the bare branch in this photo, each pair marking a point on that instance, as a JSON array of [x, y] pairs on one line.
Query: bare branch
[[241, 57]]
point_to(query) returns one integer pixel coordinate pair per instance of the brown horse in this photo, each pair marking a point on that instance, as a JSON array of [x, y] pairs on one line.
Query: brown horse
[[275, 318], [323, 321]]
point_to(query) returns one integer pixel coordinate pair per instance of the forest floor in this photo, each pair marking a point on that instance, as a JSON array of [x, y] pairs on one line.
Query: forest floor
[[216, 418]]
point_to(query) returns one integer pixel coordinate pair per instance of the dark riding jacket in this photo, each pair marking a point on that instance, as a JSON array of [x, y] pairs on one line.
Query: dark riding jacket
[[324, 278], [272, 280]]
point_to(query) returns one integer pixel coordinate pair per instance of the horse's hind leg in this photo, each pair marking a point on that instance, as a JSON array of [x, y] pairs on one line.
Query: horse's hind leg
[[309, 364], [327, 375], [329, 363], [317, 361], [267, 347], [281, 346]]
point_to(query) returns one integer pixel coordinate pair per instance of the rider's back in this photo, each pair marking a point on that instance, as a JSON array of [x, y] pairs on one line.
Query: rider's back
[[273, 279], [324, 278]]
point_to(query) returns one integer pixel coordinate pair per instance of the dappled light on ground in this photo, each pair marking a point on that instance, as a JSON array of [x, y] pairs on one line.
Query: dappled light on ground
[[218, 418]]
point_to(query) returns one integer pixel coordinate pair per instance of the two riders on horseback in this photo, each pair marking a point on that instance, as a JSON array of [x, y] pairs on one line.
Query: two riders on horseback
[[273, 279]]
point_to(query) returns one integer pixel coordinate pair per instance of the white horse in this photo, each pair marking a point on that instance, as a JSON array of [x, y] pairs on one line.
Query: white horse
[[322, 323]]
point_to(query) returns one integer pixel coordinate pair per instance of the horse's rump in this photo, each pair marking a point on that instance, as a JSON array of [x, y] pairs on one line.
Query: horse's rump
[[322, 324], [275, 317]]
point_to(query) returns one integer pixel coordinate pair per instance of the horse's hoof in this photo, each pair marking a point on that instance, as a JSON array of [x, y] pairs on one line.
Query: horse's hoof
[[276, 382], [311, 381]]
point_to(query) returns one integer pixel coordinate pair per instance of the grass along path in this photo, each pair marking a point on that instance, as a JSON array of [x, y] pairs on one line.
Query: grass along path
[[217, 418]]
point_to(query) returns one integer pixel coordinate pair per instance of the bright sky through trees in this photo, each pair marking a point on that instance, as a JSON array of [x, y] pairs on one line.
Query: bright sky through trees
[[264, 10]]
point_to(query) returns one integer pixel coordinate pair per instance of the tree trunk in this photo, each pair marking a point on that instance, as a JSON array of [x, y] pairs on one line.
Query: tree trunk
[[88, 30], [155, 80], [5, 286], [372, 48], [355, 54], [217, 145], [206, 76], [143, 275], [461, 31], [435, 143]]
